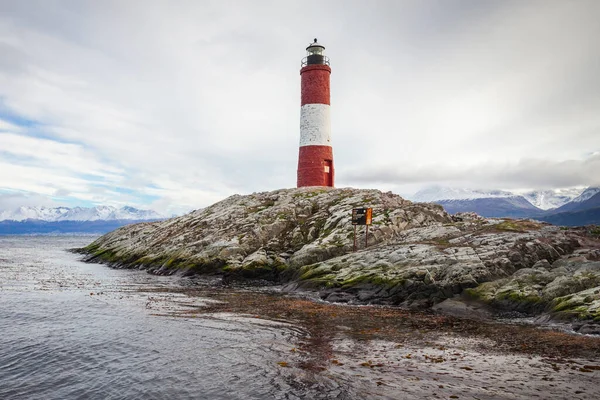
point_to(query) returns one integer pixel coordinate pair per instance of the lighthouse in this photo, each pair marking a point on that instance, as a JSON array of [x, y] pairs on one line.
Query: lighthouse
[[315, 159]]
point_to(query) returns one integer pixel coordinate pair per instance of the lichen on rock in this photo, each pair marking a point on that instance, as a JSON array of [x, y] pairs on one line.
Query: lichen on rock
[[418, 255], [263, 234]]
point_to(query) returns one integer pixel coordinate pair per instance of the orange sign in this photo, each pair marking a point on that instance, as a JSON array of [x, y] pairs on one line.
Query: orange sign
[[362, 216]]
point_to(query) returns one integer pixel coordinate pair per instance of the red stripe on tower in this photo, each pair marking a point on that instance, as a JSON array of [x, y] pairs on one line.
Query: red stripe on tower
[[315, 159]]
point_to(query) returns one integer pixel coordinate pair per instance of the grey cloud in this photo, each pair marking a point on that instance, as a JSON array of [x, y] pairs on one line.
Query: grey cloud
[[12, 59], [12, 201], [529, 173], [201, 99], [61, 193]]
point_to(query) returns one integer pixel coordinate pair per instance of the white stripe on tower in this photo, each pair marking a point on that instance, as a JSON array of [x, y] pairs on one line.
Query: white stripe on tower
[[315, 125]]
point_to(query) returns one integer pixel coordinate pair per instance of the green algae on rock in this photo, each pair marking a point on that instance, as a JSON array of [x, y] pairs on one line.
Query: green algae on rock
[[414, 270], [418, 255], [261, 235]]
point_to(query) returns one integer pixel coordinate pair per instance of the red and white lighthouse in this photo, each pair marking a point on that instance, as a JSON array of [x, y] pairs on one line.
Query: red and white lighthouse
[[315, 161]]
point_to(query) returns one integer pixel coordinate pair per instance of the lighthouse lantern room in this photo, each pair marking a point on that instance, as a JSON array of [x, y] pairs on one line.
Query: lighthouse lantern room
[[315, 160]]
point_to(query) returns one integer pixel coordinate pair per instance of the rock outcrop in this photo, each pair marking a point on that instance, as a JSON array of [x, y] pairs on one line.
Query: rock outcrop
[[418, 255], [263, 234]]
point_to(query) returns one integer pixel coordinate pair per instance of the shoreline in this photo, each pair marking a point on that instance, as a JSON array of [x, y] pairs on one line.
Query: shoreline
[[342, 350], [385, 322], [383, 351], [420, 256], [459, 306]]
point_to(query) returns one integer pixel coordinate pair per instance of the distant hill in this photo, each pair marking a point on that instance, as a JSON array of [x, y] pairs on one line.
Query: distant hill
[[550, 199], [571, 207], [435, 193], [590, 216], [512, 206], [36, 227], [590, 198], [77, 220], [487, 203], [583, 210], [98, 213]]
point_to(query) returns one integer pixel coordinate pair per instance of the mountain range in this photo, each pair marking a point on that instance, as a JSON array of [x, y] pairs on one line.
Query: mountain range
[[571, 207], [54, 214], [44, 220], [549, 199]]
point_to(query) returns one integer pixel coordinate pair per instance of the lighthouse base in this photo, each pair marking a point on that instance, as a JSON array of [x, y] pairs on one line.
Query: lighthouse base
[[315, 166]]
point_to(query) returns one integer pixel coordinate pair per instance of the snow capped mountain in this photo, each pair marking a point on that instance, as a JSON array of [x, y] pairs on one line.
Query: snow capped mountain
[[583, 210], [573, 206], [39, 213], [436, 193], [487, 203], [549, 199], [511, 206], [542, 199], [587, 194], [98, 213]]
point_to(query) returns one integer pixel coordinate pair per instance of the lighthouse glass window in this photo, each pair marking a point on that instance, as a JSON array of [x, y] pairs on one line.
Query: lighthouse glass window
[[326, 169], [315, 50]]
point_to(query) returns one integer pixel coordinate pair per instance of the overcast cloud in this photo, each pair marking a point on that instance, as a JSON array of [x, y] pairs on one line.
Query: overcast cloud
[[176, 104]]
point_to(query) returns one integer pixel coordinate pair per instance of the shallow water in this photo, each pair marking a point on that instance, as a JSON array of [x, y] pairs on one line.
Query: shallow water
[[76, 330], [71, 330]]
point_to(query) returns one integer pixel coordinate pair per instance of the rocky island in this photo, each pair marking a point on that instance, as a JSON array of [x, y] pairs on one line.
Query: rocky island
[[418, 256]]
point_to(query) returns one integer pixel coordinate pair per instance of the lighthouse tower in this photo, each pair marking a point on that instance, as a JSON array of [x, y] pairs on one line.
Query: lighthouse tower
[[315, 161]]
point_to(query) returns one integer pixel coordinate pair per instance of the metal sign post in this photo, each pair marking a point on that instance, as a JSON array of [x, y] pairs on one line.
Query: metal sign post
[[362, 216]]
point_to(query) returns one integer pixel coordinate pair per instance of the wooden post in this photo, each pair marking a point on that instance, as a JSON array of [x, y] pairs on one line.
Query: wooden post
[[354, 249], [367, 237]]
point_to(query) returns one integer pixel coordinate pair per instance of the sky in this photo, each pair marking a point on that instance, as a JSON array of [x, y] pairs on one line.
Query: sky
[[174, 105]]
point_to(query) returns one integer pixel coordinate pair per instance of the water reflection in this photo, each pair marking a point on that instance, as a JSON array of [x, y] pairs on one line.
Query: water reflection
[[76, 330]]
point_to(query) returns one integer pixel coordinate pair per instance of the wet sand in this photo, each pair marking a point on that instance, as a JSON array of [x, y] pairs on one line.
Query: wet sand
[[352, 352]]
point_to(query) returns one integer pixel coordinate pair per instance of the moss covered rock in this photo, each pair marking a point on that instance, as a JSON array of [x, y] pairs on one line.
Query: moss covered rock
[[418, 255], [263, 234]]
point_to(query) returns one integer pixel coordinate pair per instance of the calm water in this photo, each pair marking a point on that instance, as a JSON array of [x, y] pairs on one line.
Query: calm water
[[71, 330]]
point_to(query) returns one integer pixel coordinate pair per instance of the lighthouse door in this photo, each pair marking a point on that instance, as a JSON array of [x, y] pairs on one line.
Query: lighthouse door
[[328, 171]]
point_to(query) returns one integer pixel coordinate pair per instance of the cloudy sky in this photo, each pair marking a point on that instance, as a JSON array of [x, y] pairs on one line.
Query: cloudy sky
[[174, 105]]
